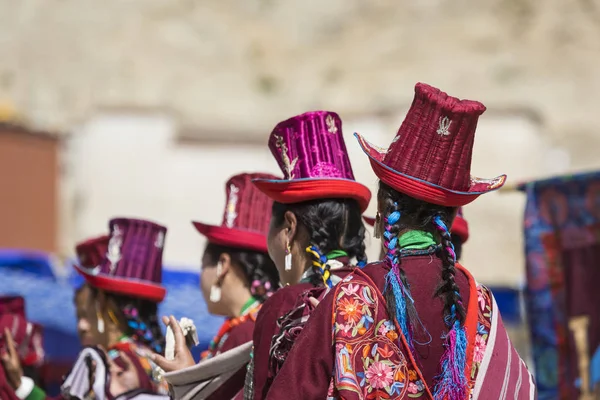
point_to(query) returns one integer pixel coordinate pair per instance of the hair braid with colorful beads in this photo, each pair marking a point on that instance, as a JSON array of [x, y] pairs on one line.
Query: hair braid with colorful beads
[[332, 225], [452, 383], [419, 215]]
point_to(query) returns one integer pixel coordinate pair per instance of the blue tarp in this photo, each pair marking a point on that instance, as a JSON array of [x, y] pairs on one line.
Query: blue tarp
[[49, 299]]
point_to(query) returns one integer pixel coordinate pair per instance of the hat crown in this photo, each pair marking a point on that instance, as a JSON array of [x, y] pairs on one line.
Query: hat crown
[[92, 251], [435, 141], [12, 305], [134, 250], [246, 207], [311, 146]]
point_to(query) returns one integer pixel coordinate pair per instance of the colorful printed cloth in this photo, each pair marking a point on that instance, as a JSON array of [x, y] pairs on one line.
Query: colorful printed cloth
[[562, 244]]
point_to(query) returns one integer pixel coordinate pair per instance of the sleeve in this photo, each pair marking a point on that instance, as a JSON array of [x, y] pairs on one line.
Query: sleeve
[[310, 360]]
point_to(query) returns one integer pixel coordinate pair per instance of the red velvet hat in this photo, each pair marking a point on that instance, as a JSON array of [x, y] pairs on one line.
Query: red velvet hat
[[28, 336], [430, 157], [92, 251], [12, 305], [132, 265], [460, 226], [246, 217], [311, 152]]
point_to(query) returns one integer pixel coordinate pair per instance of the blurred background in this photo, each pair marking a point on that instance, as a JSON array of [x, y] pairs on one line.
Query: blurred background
[[145, 108]]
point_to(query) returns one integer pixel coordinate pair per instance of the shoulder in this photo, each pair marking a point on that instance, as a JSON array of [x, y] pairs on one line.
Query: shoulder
[[283, 299]]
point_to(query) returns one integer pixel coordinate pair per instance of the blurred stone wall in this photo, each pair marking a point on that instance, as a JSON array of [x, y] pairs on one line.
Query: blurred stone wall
[[226, 71]]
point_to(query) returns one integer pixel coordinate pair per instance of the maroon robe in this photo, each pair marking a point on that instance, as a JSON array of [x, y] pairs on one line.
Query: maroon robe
[[383, 360], [283, 301], [233, 387]]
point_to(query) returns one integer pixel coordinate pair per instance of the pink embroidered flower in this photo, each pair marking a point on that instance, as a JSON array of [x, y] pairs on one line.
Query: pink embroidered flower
[[383, 329], [413, 388], [480, 346], [350, 289], [481, 299], [379, 375]]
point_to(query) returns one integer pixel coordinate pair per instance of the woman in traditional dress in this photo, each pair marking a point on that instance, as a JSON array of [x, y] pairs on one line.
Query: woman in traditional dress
[[416, 324], [125, 289], [237, 274], [316, 233], [90, 254]]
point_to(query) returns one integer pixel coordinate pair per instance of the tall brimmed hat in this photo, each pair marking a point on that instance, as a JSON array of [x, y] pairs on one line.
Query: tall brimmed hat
[[132, 265], [460, 226], [430, 157], [246, 217], [311, 152], [92, 251], [12, 305], [28, 336]]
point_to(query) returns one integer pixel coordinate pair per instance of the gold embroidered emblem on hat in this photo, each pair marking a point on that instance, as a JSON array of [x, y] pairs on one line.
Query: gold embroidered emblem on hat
[[330, 122], [289, 165]]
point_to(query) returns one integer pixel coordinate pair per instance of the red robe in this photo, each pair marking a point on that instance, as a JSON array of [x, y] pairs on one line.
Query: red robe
[[351, 348], [233, 387], [283, 301]]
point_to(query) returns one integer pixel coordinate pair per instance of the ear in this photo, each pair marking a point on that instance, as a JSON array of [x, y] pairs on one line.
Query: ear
[[225, 261], [290, 225]]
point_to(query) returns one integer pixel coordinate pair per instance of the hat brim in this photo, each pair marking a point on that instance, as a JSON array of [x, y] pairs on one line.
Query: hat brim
[[231, 237], [424, 190], [124, 286], [369, 220], [299, 190]]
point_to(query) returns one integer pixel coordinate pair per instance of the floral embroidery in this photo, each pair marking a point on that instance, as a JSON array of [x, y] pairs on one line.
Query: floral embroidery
[[484, 322], [370, 361]]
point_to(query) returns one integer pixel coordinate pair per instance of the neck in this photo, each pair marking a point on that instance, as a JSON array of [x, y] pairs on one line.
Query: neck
[[237, 303], [113, 335]]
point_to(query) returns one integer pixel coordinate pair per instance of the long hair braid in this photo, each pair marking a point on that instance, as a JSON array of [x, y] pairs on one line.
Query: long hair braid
[[395, 279], [451, 383]]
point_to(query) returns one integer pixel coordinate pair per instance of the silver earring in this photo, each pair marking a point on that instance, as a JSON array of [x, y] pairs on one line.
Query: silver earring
[[215, 290], [215, 294], [288, 257], [100, 324]]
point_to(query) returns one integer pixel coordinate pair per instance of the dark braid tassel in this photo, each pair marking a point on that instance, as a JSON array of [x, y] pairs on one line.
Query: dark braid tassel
[[451, 383]]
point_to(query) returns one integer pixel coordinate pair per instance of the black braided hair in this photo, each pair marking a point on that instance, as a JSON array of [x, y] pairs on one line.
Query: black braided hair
[[258, 269], [419, 215], [414, 214], [138, 319], [332, 224]]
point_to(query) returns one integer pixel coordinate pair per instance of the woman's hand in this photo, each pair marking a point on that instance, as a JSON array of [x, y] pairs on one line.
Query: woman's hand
[[122, 380], [11, 362], [183, 356]]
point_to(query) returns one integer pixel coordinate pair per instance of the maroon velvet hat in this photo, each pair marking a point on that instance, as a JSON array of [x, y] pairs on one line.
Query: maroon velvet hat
[[246, 217], [28, 338], [12, 305], [430, 157], [311, 152], [92, 251], [132, 265], [460, 226]]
